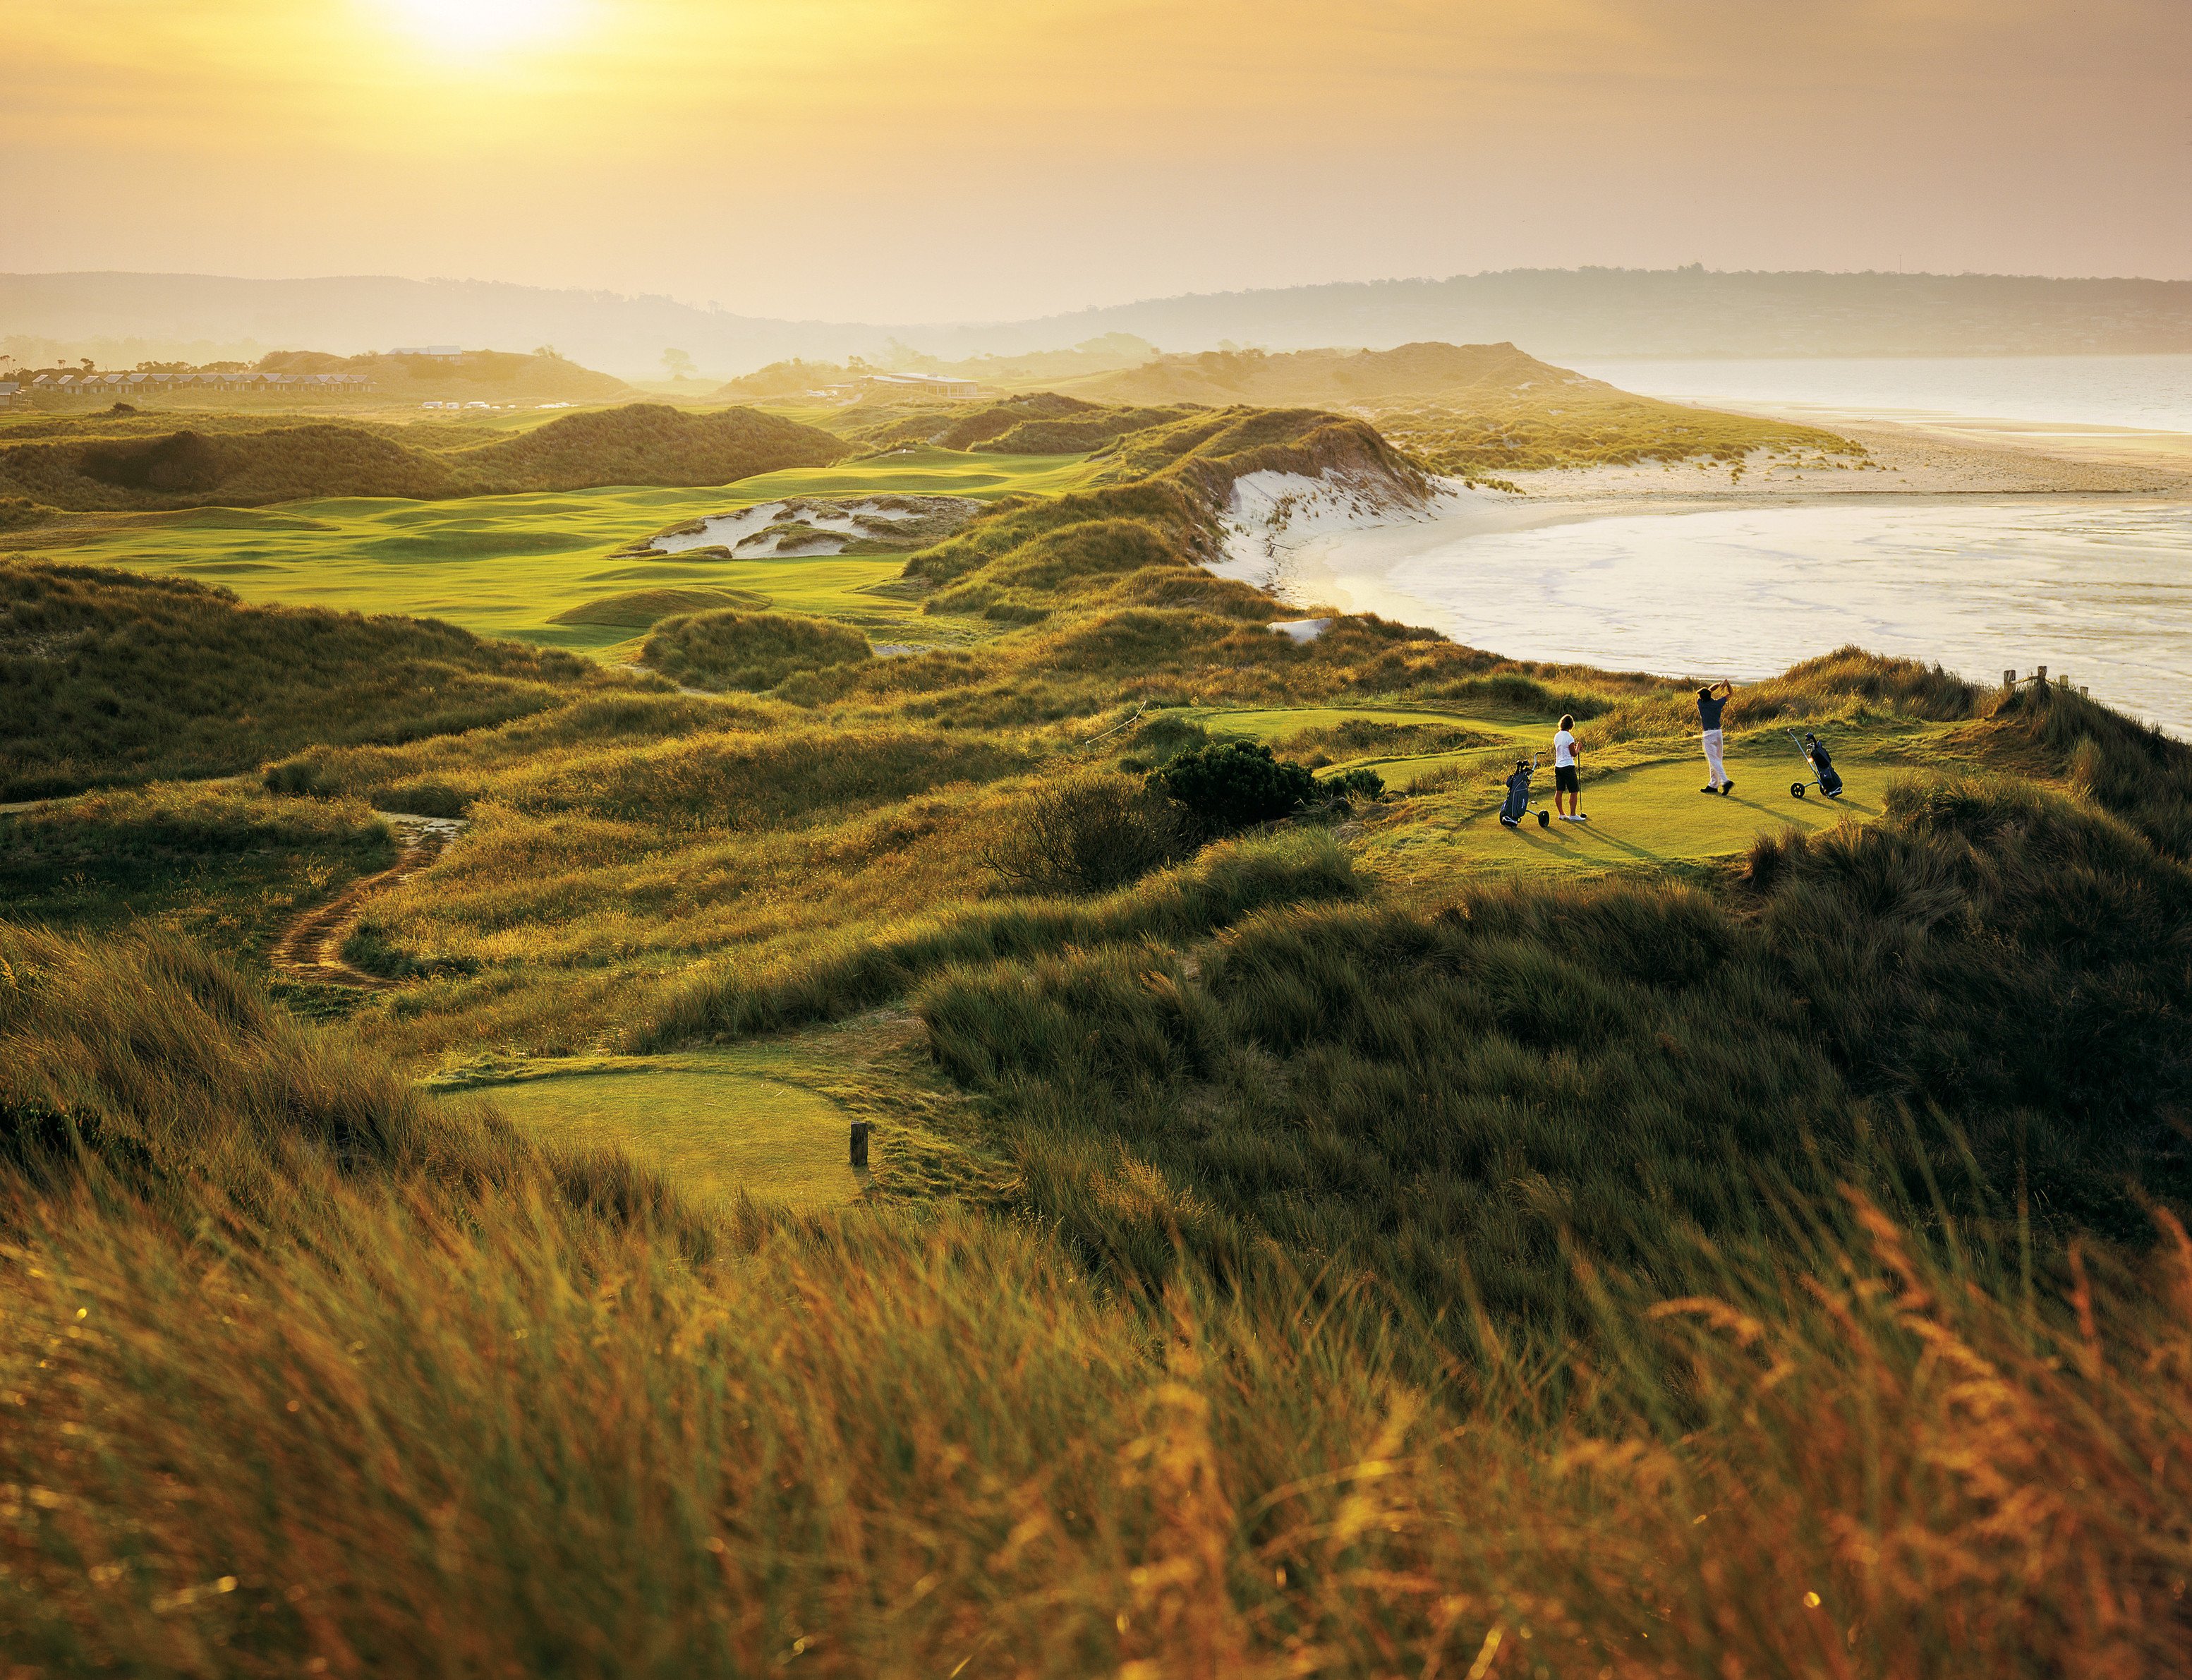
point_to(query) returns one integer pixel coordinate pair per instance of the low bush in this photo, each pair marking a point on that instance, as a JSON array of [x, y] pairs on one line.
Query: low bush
[[1349, 786], [1225, 788], [1088, 834]]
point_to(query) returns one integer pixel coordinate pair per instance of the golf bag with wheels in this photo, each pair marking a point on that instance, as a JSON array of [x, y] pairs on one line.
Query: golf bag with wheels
[[1516, 805], [1824, 776]]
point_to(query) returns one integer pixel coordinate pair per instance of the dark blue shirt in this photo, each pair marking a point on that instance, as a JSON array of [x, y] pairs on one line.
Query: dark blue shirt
[[1710, 709]]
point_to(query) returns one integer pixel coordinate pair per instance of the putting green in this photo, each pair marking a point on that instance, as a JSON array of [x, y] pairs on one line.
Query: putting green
[[711, 1133], [1654, 813], [510, 565]]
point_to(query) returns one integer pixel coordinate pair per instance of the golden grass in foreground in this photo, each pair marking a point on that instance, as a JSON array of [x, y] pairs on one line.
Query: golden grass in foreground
[[503, 1438]]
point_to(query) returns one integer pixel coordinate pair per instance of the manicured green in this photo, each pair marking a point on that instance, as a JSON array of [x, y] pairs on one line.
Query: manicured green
[[513, 565], [711, 1129], [1652, 815]]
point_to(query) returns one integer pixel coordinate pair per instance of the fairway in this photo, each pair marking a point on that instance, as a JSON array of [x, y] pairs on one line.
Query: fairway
[[510, 565], [711, 1131], [1280, 722]]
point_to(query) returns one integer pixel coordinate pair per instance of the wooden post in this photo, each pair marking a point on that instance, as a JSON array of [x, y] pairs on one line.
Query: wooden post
[[860, 1129], [2083, 693], [2009, 679], [2040, 675]]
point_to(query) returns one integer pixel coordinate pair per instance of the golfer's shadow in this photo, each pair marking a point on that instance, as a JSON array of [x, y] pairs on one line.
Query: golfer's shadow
[[1591, 830]]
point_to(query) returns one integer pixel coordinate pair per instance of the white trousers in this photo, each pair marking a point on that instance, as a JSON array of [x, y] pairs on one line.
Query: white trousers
[[1712, 757]]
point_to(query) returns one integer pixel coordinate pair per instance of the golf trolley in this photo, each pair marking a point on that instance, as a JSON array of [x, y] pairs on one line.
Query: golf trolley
[[1517, 805], [1823, 775]]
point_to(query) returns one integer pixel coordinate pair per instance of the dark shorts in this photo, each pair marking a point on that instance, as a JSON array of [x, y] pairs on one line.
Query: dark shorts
[[1565, 780]]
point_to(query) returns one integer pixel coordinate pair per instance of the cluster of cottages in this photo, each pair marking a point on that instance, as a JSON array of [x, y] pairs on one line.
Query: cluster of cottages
[[131, 385]]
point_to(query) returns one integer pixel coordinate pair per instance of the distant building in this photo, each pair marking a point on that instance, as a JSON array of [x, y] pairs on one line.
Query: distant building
[[8, 390], [921, 385]]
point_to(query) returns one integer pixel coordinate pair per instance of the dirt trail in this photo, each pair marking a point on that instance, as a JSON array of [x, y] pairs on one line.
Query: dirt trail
[[309, 948]]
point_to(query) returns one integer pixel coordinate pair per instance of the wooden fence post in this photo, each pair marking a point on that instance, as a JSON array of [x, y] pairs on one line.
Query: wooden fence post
[[860, 1129], [2040, 675]]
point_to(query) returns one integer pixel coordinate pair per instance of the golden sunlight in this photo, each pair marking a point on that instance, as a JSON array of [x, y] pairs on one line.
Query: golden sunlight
[[484, 25]]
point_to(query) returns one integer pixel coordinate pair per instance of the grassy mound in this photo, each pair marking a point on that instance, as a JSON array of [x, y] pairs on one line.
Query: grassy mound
[[647, 443], [730, 649], [1207, 452], [1036, 423], [639, 608], [113, 678], [89, 467]]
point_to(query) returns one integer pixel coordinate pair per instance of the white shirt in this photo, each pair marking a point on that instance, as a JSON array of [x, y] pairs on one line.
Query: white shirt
[[1563, 749]]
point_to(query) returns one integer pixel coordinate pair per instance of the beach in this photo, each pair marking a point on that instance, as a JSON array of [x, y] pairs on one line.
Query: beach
[[1985, 543]]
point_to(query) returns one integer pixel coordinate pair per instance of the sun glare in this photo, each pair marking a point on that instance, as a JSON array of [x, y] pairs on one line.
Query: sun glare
[[482, 25]]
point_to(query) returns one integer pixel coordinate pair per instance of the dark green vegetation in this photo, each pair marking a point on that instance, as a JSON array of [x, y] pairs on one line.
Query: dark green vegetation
[[725, 648], [87, 466], [111, 678], [1316, 1246], [1233, 784]]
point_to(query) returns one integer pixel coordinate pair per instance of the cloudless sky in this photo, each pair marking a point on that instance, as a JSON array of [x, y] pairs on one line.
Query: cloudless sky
[[909, 160]]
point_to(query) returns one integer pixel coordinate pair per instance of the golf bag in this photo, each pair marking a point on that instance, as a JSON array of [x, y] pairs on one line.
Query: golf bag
[[1516, 805]]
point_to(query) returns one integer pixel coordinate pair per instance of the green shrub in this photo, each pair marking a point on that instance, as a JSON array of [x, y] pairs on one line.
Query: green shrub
[[753, 651], [1349, 785], [1232, 785]]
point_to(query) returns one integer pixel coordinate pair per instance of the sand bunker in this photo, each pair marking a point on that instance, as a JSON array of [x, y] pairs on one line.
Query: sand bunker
[[807, 525]]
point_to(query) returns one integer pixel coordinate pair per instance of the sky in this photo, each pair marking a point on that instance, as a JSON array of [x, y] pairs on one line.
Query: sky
[[938, 160]]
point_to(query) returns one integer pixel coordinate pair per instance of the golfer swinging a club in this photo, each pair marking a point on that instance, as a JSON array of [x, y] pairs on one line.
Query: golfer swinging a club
[[1708, 711]]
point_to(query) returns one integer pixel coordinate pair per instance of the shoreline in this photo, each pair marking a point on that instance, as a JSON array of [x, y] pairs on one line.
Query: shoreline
[[1978, 558], [1912, 465]]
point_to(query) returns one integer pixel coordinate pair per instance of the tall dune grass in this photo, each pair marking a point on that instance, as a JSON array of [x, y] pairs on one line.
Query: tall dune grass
[[843, 977], [518, 1440]]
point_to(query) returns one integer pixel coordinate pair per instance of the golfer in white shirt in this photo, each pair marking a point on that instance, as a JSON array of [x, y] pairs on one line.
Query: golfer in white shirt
[[1567, 783]]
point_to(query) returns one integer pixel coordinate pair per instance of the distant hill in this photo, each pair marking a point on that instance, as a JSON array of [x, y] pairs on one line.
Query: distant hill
[[793, 378], [1470, 410], [121, 318], [480, 375], [115, 677], [84, 467], [1411, 376], [1576, 314], [292, 379]]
